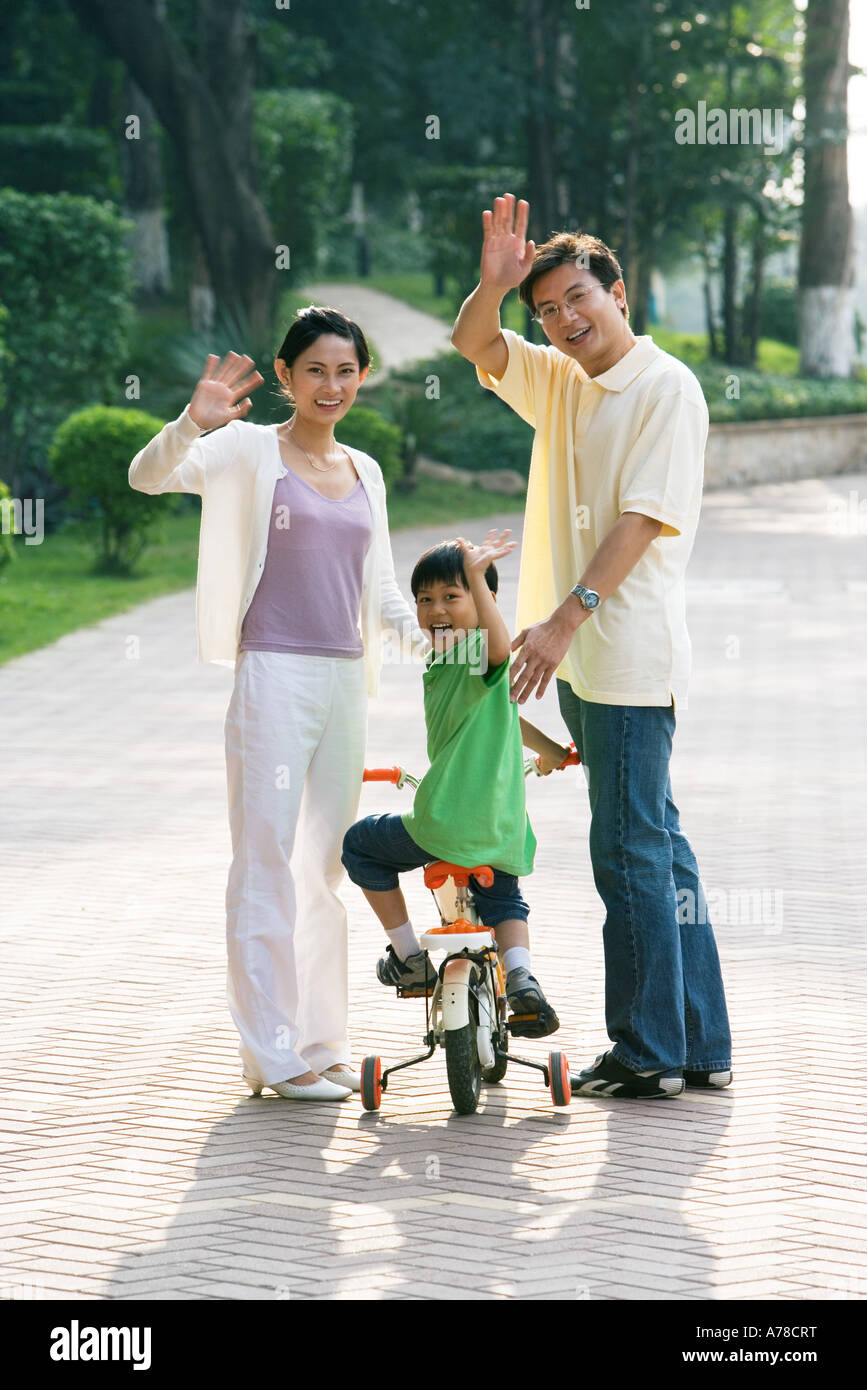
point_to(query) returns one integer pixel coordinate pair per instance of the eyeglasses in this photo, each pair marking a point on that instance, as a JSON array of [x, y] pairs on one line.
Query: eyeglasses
[[572, 301]]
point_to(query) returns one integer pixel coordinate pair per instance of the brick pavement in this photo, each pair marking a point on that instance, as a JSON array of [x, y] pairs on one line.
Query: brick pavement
[[134, 1164]]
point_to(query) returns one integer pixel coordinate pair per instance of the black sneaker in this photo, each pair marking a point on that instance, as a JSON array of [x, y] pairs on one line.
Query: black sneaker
[[608, 1077], [415, 975], [714, 1079], [532, 1015]]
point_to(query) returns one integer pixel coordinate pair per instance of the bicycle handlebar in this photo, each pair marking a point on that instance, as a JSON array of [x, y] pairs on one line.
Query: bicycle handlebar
[[400, 777]]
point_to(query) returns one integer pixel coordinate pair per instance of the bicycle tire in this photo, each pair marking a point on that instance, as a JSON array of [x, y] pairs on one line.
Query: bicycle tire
[[491, 1075], [463, 1068]]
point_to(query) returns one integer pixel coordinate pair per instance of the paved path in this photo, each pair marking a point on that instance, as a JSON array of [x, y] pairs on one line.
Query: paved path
[[398, 332], [135, 1165]]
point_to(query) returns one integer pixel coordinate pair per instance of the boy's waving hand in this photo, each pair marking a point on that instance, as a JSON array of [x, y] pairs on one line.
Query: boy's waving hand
[[476, 561]]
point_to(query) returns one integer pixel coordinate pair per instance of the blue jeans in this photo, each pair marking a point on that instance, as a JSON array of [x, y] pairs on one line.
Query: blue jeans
[[378, 848], [665, 1005]]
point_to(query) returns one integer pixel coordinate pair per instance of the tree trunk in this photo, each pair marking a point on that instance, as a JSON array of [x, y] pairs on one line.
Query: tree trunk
[[753, 307], [827, 295], [639, 302], [213, 139], [200, 293], [358, 217], [143, 196], [629, 255], [541, 29], [712, 340], [636, 78], [731, 346], [565, 86]]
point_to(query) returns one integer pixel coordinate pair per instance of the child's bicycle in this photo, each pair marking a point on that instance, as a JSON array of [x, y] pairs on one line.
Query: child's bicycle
[[466, 1011]]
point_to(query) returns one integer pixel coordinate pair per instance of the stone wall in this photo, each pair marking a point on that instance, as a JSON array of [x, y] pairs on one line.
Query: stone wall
[[776, 451], [755, 451]]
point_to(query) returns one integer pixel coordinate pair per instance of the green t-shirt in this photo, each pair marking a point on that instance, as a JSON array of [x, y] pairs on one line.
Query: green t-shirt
[[470, 807]]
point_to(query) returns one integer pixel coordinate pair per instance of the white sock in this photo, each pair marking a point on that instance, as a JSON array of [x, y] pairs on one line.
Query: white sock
[[404, 940], [516, 956]]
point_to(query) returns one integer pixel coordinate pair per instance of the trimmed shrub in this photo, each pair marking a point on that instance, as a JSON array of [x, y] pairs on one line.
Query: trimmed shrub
[[90, 455], [767, 396], [369, 431]]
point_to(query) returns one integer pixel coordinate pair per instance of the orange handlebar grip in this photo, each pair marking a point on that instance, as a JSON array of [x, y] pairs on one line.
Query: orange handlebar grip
[[381, 774]]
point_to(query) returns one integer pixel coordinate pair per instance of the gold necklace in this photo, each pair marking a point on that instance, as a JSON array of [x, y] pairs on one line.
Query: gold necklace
[[318, 466]]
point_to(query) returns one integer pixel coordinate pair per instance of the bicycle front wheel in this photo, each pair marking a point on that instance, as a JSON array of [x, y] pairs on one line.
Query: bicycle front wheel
[[463, 1068]]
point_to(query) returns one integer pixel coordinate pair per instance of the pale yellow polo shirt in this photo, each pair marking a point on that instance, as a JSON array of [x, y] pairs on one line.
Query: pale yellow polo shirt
[[630, 440]]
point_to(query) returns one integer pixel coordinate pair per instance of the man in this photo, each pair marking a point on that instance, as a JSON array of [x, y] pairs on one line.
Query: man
[[613, 502]]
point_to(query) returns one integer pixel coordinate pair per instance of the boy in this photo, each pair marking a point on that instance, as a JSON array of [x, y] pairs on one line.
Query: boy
[[470, 806]]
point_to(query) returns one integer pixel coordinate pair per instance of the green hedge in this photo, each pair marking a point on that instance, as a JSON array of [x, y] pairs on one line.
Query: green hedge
[[767, 396], [369, 431], [90, 454]]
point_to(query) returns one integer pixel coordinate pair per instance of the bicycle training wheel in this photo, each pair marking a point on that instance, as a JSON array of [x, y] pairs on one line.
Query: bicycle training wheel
[[560, 1080], [371, 1083]]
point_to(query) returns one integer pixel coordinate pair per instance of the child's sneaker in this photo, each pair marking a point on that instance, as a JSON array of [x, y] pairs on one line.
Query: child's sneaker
[[608, 1077], [413, 975], [532, 1015]]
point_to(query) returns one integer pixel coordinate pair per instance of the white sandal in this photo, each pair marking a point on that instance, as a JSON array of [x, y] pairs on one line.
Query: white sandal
[[352, 1079], [318, 1090]]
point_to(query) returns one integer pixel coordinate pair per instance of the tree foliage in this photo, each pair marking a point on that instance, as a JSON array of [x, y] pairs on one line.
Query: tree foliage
[[304, 145], [64, 279]]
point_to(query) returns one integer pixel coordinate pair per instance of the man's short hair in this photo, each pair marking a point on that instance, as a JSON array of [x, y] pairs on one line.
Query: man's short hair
[[585, 251], [444, 564]]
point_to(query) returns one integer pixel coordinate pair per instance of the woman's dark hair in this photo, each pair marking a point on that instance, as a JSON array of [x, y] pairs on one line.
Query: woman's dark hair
[[310, 324], [444, 564]]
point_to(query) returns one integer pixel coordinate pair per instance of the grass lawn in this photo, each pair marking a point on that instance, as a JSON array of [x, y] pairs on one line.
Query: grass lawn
[[50, 589], [692, 349]]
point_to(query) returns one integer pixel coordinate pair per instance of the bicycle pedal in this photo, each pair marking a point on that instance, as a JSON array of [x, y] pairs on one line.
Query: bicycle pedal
[[416, 993], [533, 1025]]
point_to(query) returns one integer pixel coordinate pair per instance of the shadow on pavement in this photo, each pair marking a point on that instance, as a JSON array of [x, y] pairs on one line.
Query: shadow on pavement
[[293, 1201]]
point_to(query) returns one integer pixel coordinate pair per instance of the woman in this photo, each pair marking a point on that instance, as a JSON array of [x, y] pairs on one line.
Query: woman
[[293, 548]]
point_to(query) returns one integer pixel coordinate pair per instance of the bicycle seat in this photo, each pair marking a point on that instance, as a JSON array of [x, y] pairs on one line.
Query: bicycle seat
[[457, 936], [435, 874]]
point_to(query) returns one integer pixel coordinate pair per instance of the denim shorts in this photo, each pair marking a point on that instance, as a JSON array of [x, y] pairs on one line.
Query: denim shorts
[[378, 848]]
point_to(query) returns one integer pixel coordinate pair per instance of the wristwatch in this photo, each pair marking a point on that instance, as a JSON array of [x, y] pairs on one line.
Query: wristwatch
[[588, 598]]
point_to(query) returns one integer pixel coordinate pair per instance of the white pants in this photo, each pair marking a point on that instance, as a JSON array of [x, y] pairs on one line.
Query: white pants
[[295, 734]]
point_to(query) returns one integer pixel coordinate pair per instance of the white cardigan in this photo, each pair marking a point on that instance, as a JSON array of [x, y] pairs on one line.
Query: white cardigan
[[234, 470]]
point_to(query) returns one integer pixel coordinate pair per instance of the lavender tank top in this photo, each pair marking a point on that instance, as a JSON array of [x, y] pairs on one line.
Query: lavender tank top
[[309, 597]]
